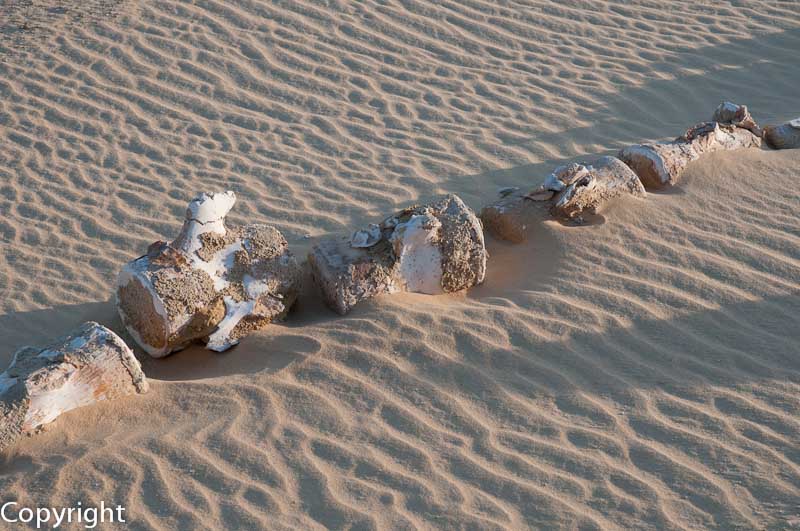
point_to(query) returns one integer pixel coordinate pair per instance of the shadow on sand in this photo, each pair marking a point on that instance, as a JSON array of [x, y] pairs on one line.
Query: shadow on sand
[[710, 347], [749, 71]]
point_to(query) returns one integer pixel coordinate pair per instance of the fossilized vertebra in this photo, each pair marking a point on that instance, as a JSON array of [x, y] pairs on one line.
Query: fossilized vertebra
[[433, 248], [87, 365], [211, 283]]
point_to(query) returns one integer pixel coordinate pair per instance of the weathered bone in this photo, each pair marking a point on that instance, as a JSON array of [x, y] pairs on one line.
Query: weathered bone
[[509, 217], [211, 283], [88, 365], [567, 193], [366, 237], [728, 113], [433, 248], [662, 164], [784, 136], [588, 189]]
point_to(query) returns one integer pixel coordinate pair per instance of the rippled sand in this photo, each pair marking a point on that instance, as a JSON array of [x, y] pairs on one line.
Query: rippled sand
[[641, 373]]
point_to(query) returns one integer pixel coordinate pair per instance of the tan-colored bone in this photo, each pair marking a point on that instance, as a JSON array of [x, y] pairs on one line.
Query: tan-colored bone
[[662, 164], [783, 136], [567, 193], [212, 283], [87, 365], [433, 248]]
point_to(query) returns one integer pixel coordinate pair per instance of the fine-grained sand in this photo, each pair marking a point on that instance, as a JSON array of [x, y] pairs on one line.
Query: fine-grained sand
[[639, 373]]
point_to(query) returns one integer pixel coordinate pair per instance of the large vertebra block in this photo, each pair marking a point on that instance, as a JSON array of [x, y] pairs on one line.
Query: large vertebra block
[[211, 283], [433, 248]]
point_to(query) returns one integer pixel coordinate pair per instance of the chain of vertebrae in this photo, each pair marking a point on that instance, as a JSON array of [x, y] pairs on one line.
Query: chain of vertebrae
[[216, 284]]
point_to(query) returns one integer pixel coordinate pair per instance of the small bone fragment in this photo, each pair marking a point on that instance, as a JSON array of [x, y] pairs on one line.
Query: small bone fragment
[[87, 365], [433, 248], [366, 237], [212, 283], [784, 136], [506, 190]]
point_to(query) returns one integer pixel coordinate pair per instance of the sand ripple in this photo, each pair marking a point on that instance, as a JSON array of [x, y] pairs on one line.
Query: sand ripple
[[642, 373]]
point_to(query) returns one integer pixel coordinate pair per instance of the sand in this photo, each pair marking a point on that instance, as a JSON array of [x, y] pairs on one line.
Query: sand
[[642, 372]]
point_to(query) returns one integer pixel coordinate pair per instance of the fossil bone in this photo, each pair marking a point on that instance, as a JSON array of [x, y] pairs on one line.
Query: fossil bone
[[784, 136], [662, 164], [566, 193], [433, 248], [87, 365], [212, 283]]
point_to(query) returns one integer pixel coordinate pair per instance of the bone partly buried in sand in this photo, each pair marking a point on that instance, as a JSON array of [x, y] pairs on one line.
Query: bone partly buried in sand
[[432, 248], [87, 365], [567, 193], [212, 283], [784, 136], [218, 284], [662, 164]]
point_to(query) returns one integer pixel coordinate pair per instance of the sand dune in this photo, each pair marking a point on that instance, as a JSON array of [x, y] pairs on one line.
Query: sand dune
[[638, 373]]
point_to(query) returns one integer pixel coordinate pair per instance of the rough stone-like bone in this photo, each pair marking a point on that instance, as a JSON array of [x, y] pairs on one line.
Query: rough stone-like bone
[[784, 136], [661, 164], [588, 188], [566, 193], [509, 217], [433, 248], [212, 283], [728, 113], [88, 365]]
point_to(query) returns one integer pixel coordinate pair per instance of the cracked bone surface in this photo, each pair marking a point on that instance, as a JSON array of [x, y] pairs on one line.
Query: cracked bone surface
[[567, 193], [87, 365], [784, 136], [662, 164], [212, 283], [432, 248], [728, 113]]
